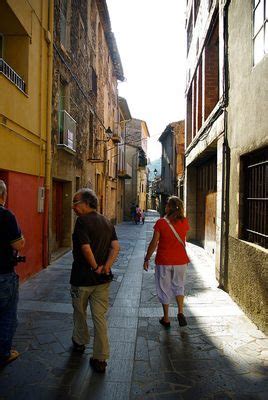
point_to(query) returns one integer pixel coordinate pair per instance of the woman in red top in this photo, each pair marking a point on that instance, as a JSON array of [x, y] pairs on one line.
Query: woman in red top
[[171, 258]]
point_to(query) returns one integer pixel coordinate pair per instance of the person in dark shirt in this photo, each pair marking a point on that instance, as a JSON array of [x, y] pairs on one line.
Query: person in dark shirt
[[11, 241], [95, 248]]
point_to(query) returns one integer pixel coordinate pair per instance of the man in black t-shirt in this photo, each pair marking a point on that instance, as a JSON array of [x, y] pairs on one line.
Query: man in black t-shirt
[[95, 248], [11, 241]]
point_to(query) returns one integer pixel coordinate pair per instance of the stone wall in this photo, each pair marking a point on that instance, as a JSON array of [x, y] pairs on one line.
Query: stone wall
[[247, 131], [247, 279]]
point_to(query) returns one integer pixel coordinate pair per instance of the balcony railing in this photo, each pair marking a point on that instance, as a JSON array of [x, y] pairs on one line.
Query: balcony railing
[[10, 74], [67, 130]]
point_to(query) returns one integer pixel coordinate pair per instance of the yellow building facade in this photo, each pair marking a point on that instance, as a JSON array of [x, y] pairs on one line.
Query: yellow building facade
[[25, 108]]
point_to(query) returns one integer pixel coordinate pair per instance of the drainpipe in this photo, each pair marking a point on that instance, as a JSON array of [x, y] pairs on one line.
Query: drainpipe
[[223, 283], [49, 37]]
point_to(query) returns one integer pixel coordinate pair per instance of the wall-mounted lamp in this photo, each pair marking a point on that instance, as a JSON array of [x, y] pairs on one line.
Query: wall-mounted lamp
[[109, 132], [111, 135]]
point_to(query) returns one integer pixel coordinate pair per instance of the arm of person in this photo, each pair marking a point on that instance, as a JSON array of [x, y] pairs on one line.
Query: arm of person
[[14, 234], [89, 256], [113, 253], [19, 244], [151, 248]]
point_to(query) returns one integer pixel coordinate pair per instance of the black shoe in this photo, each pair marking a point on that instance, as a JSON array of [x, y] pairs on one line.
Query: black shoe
[[80, 348], [14, 354], [165, 324], [181, 319], [98, 365]]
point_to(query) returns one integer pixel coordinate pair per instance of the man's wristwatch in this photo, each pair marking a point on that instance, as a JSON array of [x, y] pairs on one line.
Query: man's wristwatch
[[146, 259], [95, 269]]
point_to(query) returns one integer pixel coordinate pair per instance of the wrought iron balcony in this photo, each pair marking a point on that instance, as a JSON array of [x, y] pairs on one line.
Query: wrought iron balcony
[[67, 131], [10, 74]]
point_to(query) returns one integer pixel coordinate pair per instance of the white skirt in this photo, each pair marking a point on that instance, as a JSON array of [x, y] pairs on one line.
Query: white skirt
[[169, 280]]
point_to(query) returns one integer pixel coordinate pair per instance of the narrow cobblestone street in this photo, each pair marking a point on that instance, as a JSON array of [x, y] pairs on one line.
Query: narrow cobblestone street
[[219, 355]]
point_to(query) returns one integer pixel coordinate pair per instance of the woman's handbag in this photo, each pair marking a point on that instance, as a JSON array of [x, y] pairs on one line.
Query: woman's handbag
[[176, 234]]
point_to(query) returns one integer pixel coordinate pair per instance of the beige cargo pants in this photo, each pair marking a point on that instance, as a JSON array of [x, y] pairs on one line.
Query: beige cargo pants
[[98, 299]]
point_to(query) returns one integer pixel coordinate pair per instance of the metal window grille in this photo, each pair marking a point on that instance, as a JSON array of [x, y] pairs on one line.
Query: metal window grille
[[10, 74], [256, 197]]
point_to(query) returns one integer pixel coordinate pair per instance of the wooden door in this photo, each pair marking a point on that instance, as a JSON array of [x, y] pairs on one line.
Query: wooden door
[[210, 223]]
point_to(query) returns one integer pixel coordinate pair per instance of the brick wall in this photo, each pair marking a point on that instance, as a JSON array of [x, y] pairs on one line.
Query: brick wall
[[211, 72], [202, 66]]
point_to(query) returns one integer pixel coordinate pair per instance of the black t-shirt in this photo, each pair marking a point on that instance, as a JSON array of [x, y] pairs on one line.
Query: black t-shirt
[[96, 230], [9, 233]]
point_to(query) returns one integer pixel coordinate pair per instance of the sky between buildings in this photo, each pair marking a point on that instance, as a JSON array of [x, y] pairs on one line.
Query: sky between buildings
[[151, 41]]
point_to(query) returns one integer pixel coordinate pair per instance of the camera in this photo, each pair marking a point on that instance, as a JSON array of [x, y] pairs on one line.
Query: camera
[[18, 259]]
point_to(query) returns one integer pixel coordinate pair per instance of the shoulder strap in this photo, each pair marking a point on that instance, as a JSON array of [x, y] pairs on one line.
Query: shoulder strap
[[175, 232]]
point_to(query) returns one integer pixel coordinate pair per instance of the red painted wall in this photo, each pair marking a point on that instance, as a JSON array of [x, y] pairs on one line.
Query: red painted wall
[[22, 201]]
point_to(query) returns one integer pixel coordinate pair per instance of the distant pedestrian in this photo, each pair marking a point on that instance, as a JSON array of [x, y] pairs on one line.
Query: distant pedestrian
[[143, 217], [95, 248], [132, 212], [171, 258], [11, 241], [137, 215]]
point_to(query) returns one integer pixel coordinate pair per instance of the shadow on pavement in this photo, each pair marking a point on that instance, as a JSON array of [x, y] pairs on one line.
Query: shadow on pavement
[[219, 355]]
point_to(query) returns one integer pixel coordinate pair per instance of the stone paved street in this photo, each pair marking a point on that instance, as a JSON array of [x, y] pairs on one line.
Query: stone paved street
[[219, 355]]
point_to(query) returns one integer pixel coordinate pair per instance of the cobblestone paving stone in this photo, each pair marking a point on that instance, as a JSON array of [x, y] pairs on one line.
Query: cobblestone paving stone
[[219, 355]]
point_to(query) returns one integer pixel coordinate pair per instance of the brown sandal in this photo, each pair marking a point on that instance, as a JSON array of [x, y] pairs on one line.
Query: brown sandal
[[165, 324], [182, 319]]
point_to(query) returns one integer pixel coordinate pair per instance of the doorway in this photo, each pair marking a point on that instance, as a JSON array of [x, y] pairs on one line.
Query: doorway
[[206, 205], [57, 215]]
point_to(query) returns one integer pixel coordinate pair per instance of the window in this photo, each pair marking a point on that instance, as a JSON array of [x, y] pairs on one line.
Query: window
[[196, 8], [67, 125], [81, 35], [94, 81], [189, 116], [255, 197], [64, 23], [211, 70], [260, 29], [189, 33], [91, 136], [14, 48], [63, 95], [67, 130]]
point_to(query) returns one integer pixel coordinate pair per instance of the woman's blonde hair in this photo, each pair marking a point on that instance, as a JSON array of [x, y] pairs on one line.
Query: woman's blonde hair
[[176, 211]]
